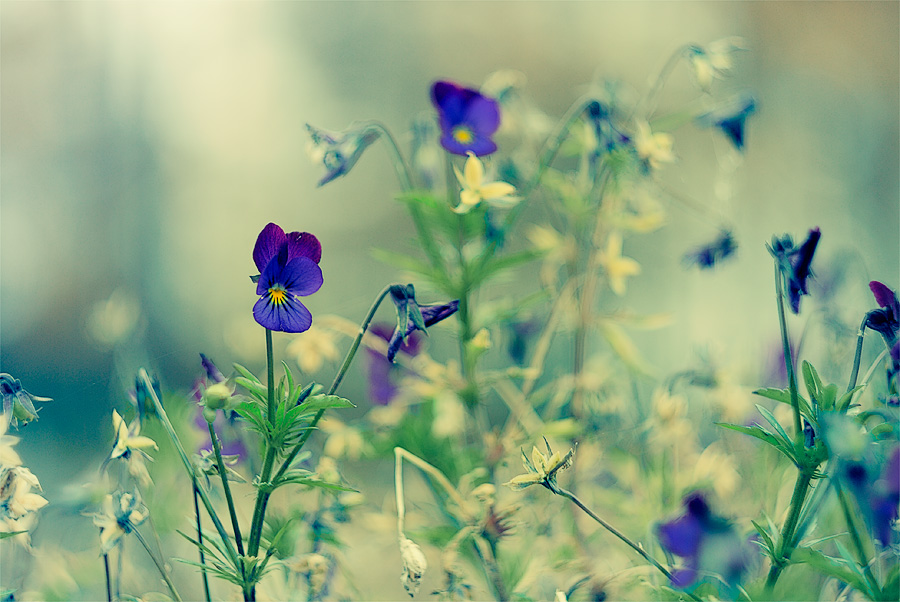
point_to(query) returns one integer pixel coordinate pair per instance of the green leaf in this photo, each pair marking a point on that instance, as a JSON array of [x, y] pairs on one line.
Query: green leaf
[[775, 424], [5, 534], [761, 434], [831, 567], [495, 266], [324, 402], [784, 396], [769, 546]]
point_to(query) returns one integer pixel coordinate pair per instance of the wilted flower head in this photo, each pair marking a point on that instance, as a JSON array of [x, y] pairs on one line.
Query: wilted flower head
[[887, 319], [713, 60], [730, 119], [18, 404], [16, 498], [541, 468], [467, 118], [708, 256], [794, 264], [414, 565], [475, 190], [412, 316], [289, 269], [121, 514], [381, 371], [339, 151], [708, 544]]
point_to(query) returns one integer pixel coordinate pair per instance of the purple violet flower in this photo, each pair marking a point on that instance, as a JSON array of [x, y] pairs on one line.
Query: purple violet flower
[[794, 264], [708, 544], [289, 269], [709, 255], [730, 119], [382, 388], [414, 316], [467, 118], [887, 319]]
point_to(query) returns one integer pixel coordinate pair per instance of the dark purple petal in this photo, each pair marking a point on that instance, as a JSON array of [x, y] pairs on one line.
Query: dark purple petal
[[304, 244], [432, 314], [683, 578], [483, 115], [467, 118], [212, 373], [290, 315], [682, 536], [884, 296], [268, 243], [804, 258], [301, 276]]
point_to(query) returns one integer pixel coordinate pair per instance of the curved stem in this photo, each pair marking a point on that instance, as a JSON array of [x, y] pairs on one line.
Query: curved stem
[[860, 337], [857, 540], [109, 596], [159, 566], [789, 530], [217, 449], [400, 165]]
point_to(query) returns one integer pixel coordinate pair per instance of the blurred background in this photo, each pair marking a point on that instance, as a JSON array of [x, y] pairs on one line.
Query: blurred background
[[144, 146]]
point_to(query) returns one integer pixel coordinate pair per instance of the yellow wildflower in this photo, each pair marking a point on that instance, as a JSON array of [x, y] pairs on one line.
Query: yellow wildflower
[[617, 267], [475, 189]]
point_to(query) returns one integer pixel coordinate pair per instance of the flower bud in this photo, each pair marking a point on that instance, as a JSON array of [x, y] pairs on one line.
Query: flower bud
[[414, 565], [216, 396]]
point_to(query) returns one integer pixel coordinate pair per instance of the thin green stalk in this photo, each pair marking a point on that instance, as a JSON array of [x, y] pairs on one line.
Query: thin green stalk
[[200, 549], [262, 496], [399, 164], [109, 596], [788, 356], [348, 359], [788, 532], [636, 547], [857, 540], [217, 449], [159, 566], [860, 337], [204, 497]]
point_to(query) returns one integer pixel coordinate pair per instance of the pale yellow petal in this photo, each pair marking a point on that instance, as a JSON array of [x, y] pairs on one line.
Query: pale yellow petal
[[474, 171], [493, 190], [522, 481]]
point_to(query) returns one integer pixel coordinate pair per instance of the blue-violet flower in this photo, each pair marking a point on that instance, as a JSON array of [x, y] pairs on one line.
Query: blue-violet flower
[[730, 119], [794, 264], [887, 319], [289, 269], [467, 118]]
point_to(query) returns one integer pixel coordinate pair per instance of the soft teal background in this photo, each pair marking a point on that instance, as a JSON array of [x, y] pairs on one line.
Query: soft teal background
[[145, 144]]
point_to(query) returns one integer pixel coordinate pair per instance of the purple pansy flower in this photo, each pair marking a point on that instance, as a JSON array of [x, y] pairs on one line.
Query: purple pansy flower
[[339, 151], [794, 264], [887, 319], [709, 255], [289, 269], [382, 388], [467, 118], [730, 119], [708, 544]]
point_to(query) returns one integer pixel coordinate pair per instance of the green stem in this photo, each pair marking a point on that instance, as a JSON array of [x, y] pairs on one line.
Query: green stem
[[857, 540], [860, 337], [109, 596], [788, 356], [637, 548], [399, 164], [348, 359], [262, 496], [159, 566], [238, 539], [789, 530], [200, 549], [204, 497]]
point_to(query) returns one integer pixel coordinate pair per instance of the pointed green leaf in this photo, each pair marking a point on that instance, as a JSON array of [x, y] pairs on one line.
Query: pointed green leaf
[[831, 567], [774, 423], [323, 402]]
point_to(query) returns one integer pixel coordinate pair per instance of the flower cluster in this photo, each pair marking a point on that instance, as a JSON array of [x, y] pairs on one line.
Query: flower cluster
[[18, 503]]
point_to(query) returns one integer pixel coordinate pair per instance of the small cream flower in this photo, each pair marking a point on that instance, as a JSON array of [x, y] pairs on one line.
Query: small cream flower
[[714, 60], [8, 456], [654, 148], [128, 437], [315, 568], [312, 349], [475, 189], [617, 267], [121, 514], [542, 468], [16, 499]]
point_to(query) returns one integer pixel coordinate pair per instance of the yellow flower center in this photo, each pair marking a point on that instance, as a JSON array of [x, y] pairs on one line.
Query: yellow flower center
[[277, 295], [463, 135]]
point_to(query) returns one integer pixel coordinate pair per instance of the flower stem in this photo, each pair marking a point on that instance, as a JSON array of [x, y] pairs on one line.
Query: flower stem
[[788, 356], [200, 549], [159, 566], [238, 540], [857, 540], [262, 496], [399, 164], [204, 497], [860, 337], [109, 596], [788, 532], [636, 547]]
